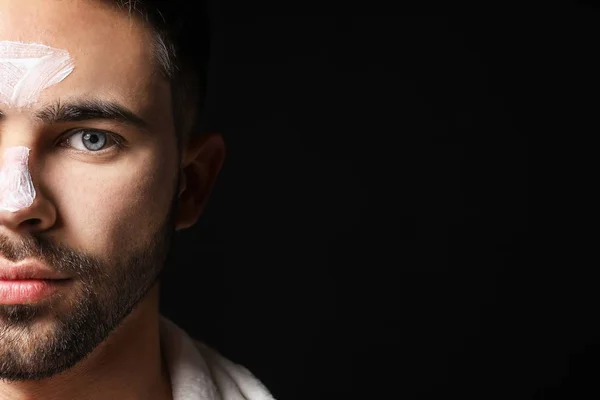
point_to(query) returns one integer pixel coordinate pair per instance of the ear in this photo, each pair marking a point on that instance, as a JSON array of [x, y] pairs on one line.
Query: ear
[[201, 162]]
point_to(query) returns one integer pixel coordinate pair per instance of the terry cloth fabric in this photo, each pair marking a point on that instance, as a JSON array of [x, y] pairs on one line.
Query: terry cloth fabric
[[198, 372]]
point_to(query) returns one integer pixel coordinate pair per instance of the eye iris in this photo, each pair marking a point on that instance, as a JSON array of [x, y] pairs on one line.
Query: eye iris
[[96, 139]]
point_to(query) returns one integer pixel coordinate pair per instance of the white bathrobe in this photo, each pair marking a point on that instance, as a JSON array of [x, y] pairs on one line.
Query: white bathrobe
[[198, 372]]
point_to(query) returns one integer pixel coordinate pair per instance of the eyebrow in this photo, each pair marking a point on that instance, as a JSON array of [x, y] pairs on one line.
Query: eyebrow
[[89, 109]]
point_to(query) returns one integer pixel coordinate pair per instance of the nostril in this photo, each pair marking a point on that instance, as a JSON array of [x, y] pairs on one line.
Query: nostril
[[33, 221]]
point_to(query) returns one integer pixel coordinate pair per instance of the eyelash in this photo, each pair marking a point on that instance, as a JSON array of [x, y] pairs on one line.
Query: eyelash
[[119, 142]]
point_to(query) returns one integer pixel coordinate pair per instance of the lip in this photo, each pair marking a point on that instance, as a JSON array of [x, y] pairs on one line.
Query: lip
[[26, 270], [29, 290]]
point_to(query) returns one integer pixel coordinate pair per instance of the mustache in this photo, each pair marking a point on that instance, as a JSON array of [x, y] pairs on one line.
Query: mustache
[[56, 256]]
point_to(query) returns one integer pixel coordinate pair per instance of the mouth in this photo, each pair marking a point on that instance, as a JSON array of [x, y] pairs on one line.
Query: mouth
[[26, 291], [27, 269]]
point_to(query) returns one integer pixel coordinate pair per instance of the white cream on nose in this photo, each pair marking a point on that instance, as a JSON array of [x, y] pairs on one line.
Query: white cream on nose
[[16, 188]]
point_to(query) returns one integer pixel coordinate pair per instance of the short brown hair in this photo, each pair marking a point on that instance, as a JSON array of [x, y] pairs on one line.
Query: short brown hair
[[182, 49]]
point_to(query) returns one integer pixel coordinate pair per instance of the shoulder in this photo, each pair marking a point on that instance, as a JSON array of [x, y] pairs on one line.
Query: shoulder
[[231, 379]]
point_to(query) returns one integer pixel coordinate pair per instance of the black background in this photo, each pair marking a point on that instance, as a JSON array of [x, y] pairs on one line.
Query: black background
[[369, 235]]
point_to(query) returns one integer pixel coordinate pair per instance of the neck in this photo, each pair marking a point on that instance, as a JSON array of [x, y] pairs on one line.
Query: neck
[[121, 367]]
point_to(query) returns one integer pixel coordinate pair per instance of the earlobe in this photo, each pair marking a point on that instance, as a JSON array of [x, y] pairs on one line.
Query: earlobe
[[202, 162]]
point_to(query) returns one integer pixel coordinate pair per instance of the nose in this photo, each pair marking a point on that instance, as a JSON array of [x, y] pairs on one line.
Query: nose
[[22, 207]]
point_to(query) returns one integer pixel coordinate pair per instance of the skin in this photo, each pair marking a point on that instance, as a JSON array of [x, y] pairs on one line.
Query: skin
[[103, 218]]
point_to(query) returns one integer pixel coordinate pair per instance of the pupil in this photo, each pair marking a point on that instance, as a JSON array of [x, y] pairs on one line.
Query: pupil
[[93, 139]]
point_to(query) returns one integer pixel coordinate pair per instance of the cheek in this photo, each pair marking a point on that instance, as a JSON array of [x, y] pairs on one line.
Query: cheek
[[113, 204]]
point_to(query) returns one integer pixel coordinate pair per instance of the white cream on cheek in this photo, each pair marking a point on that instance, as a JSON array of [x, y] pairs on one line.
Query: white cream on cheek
[[25, 70]]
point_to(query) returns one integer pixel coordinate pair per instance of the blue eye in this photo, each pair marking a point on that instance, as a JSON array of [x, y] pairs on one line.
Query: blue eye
[[89, 140]]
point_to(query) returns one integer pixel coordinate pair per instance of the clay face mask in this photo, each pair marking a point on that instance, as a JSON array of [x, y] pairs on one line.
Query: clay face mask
[[25, 70], [16, 187], [28, 68]]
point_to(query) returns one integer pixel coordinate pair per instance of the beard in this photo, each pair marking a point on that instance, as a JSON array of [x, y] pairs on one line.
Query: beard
[[106, 293]]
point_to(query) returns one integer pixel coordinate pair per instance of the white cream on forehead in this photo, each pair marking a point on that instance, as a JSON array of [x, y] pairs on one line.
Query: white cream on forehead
[[28, 68]]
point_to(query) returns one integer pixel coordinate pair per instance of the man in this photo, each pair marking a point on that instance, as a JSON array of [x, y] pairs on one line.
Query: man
[[101, 162]]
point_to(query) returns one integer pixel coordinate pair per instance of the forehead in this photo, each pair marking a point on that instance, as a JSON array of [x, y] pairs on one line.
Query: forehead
[[112, 53]]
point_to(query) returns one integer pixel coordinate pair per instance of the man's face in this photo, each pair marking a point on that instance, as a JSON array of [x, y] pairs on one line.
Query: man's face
[[105, 216]]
